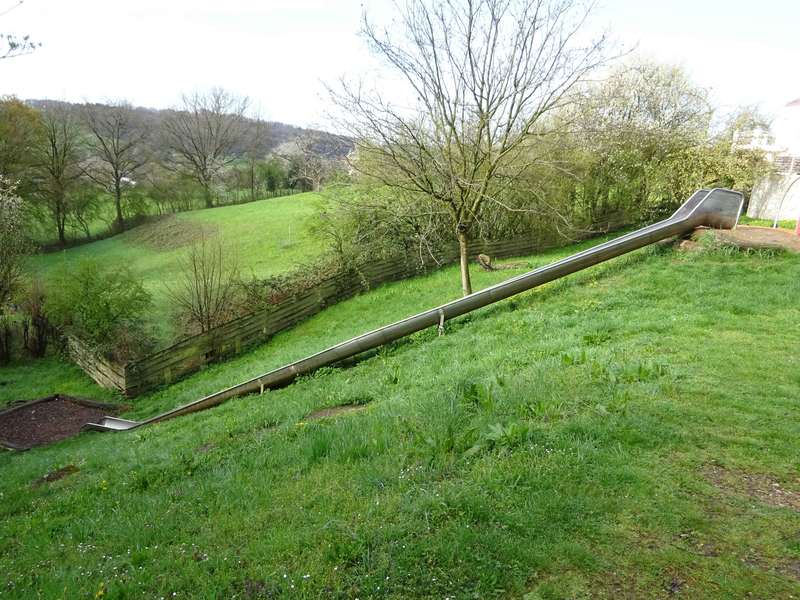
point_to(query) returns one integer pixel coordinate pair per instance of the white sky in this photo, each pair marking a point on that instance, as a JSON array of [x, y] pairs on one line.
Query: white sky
[[148, 51]]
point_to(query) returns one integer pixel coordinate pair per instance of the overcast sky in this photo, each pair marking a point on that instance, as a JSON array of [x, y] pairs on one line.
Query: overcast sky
[[149, 51]]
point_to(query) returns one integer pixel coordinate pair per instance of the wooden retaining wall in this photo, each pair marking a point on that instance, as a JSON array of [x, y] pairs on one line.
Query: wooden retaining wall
[[191, 355]]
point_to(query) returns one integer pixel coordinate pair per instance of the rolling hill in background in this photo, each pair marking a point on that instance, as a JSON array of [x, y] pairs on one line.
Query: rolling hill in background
[[276, 132], [258, 231]]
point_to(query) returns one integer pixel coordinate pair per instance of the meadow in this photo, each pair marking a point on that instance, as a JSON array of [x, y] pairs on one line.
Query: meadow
[[629, 431], [787, 224], [258, 231]]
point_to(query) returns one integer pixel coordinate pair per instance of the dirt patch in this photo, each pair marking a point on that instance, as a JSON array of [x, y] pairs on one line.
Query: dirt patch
[[205, 447], [329, 412], [167, 233], [55, 476], [689, 246], [761, 486], [49, 420], [790, 570], [756, 238]]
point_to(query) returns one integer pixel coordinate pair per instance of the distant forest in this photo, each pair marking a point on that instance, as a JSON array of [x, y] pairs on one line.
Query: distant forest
[[83, 171], [276, 133]]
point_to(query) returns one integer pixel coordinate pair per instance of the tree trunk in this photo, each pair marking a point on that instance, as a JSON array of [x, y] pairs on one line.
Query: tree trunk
[[252, 182], [463, 243], [62, 238], [209, 198], [120, 225], [61, 223]]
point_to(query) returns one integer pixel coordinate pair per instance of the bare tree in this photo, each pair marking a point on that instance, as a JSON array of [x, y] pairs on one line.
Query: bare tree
[[482, 76], [204, 291], [202, 134], [258, 132], [117, 150], [57, 160]]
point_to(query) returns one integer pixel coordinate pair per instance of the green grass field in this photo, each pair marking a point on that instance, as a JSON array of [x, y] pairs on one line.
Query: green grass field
[[620, 433], [255, 230], [767, 222], [45, 234]]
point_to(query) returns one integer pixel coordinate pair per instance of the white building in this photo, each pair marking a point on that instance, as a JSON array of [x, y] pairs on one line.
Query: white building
[[782, 145]]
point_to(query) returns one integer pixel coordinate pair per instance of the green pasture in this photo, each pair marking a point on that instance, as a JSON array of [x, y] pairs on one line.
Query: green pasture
[[257, 231], [767, 222], [629, 431]]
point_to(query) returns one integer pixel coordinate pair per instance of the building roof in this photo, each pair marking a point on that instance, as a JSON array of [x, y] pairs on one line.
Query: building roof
[[794, 103]]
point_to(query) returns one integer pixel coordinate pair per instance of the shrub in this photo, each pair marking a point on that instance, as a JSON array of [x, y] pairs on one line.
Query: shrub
[[206, 291], [104, 308], [262, 293]]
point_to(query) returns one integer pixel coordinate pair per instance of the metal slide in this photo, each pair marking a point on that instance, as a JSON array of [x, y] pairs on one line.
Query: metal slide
[[718, 208]]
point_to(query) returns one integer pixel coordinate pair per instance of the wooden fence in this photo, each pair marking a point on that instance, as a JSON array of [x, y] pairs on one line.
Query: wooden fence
[[190, 355]]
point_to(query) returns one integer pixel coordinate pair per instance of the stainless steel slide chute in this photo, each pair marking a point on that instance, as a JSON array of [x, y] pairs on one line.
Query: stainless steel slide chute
[[717, 208]]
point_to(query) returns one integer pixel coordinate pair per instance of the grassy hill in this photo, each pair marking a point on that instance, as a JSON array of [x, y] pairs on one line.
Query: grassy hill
[[255, 230], [627, 432], [384, 305]]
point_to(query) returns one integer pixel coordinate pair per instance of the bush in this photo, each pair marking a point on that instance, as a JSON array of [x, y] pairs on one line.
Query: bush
[[104, 308], [259, 293]]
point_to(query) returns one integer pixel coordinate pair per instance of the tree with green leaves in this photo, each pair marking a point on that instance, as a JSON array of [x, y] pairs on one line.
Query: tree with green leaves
[[19, 135], [647, 136], [104, 307], [626, 127], [273, 174]]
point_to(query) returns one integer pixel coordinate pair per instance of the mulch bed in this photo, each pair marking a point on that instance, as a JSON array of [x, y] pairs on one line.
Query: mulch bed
[[51, 419]]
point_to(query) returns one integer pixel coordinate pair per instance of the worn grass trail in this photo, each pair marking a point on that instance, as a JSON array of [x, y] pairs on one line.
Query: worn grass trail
[[620, 433]]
